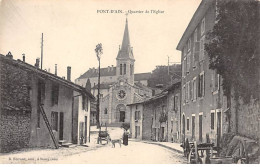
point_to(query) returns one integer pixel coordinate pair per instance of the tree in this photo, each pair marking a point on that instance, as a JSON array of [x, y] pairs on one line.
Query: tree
[[232, 47], [88, 85], [160, 75]]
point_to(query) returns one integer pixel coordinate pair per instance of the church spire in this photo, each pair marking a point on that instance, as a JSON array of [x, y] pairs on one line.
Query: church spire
[[126, 40], [125, 50]]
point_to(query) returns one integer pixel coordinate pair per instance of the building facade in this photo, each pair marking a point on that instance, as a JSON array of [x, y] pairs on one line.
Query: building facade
[[119, 85], [157, 118], [203, 104], [24, 88]]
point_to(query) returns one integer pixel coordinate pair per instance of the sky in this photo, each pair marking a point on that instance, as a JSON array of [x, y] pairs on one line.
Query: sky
[[72, 29]]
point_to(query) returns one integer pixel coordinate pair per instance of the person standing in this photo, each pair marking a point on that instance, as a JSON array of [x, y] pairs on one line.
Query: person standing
[[125, 138]]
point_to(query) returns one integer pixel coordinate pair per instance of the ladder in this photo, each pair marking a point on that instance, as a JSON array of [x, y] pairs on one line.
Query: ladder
[[48, 126]]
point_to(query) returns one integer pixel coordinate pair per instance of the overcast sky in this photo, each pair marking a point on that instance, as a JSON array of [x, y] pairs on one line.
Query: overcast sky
[[72, 29]]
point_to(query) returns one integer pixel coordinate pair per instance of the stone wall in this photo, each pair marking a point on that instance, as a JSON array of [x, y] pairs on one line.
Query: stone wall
[[15, 106]]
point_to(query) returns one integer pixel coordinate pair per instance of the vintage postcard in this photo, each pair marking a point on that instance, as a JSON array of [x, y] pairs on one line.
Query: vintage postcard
[[129, 82]]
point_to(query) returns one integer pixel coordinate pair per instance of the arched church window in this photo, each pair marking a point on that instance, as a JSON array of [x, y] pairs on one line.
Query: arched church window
[[124, 68]]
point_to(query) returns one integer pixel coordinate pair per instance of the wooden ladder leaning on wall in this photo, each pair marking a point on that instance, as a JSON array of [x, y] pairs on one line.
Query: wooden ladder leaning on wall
[[49, 127]]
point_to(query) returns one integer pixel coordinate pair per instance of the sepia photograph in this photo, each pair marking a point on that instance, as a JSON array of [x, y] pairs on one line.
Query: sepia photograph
[[129, 82]]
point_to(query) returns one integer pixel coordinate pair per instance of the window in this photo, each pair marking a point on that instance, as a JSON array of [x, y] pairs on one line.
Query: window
[[188, 62], [201, 90], [137, 115], [54, 120], [195, 35], [105, 111], [183, 94], [216, 81], [188, 124], [175, 99], [212, 114], [188, 91], [189, 44], [202, 41], [121, 69], [124, 68], [202, 26], [83, 102], [55, 94], [194, 90]]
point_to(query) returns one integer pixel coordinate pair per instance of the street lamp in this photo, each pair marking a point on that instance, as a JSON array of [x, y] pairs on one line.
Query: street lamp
[[99, 52]]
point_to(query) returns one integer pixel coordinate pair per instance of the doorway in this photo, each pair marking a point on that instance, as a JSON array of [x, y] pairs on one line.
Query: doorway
[[86, 129], [183, 127], [61, 126], [218, 128], [122, 116], [200, 128]]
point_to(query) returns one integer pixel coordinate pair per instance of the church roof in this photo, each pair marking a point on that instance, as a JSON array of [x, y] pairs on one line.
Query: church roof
[[104, 85], [111, 71], [92, 72]]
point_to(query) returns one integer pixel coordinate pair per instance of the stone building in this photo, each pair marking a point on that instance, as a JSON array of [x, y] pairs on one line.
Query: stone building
[[157, 118], [119, 85], [23, 89], [203, 104]]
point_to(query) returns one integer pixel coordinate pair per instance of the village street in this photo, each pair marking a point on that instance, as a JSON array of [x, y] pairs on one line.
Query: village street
[[137, 152]]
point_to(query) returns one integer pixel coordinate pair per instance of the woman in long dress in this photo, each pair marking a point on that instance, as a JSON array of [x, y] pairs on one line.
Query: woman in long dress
[[125, 138]]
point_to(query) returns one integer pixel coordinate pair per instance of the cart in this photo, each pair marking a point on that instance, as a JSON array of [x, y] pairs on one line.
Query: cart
[[204, 154], [102, 135]]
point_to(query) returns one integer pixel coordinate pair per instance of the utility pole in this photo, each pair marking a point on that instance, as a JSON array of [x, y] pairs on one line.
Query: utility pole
[[99, 52], [41, 50]]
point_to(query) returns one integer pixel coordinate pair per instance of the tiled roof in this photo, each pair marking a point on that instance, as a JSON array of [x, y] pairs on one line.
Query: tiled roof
[[55, 78], [92, 72]]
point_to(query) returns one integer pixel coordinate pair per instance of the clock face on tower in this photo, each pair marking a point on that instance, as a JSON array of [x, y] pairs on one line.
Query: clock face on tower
[[121, 94]]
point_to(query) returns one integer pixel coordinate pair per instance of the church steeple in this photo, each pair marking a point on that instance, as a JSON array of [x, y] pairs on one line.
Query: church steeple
[[126, 49], [126, 40], [125, 59]]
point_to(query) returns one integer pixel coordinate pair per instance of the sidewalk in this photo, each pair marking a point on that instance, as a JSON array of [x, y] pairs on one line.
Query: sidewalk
[[172, 146]]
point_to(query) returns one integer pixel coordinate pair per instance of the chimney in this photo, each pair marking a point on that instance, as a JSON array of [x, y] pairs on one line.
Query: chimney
[[108, 68], [23, 57], [69, 73], [63, 77], [55, 69], [37, 64], [9, 55]]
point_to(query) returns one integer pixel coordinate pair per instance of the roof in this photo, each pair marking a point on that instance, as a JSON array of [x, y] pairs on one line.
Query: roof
[[55, 78], [92, 72], [151, 99], [196, 18], [103, 85], [173, 86], [142, 76], [125, 52]]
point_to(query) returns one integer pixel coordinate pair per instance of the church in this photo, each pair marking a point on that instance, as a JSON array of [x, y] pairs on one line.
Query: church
[[119, 85]]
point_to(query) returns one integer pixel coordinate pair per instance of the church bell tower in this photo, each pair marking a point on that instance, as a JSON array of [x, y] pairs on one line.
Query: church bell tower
[[125, 59]]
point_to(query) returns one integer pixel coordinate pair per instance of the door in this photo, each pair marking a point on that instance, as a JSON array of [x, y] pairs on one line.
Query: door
[[162, 137], [81, 133], [218, 128], [122, 116], [200, 128], [193, 127], [183, 127], [86, 129], [61, 126]]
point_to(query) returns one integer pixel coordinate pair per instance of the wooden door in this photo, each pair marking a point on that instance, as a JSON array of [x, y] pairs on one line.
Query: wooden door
[[61, 126]]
